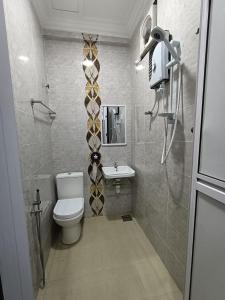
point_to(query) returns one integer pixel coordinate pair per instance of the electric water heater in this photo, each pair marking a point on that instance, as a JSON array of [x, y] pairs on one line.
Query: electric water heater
[[160, 59]]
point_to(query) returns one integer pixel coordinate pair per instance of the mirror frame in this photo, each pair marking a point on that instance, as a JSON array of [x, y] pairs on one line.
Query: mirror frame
[[125, 121]]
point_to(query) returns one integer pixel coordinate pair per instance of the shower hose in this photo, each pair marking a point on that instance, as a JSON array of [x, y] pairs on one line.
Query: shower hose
[[38, 226], [166, 150], [37, 213]]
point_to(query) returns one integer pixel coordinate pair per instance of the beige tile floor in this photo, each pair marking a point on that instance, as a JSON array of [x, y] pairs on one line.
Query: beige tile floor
[[113, 261]]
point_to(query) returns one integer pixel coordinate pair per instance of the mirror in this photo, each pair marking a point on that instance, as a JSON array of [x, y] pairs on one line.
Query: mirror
[[113, 125]]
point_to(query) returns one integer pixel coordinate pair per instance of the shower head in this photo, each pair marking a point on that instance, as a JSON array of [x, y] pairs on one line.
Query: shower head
[[161, 35]]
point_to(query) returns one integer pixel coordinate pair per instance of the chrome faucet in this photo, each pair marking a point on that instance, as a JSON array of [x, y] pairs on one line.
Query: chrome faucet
[[116, 165]]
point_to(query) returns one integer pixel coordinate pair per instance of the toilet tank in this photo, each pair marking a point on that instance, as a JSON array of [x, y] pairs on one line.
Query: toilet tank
[[70, 185]]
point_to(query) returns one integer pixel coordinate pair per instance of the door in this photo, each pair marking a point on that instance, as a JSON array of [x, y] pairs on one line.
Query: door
[[212, 156], [208, 272], [205, 272]]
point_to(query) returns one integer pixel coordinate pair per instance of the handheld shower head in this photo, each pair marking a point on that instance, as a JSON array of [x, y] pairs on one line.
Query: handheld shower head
[[161, 35]]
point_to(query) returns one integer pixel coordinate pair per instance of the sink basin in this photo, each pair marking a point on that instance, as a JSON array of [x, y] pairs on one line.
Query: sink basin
[[121, 172]]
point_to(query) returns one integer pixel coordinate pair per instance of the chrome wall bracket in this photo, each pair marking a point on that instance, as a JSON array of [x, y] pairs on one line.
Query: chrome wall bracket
[[52, 113]]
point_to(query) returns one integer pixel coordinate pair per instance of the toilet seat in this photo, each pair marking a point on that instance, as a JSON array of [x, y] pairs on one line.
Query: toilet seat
[[68, 208]]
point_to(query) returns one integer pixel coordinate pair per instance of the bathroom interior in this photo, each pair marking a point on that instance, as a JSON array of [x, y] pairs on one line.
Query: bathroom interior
[[104, 97]]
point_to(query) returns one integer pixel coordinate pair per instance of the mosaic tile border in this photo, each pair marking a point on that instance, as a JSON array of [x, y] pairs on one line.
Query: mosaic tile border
[[93, 103]]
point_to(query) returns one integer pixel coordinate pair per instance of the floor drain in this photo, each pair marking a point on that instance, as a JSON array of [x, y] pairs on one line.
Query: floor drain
[[127, 218]]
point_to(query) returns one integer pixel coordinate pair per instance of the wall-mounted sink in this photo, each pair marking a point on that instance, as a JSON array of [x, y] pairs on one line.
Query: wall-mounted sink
[[119, 172]]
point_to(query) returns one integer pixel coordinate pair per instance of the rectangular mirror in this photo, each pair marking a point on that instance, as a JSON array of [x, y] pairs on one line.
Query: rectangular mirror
[[113, 125]]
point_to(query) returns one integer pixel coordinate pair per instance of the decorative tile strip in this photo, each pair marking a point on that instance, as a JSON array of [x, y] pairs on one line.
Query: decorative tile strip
[[93, 103]]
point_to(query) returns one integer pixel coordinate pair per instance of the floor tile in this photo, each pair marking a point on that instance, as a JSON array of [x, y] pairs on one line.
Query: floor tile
[[112, 260]]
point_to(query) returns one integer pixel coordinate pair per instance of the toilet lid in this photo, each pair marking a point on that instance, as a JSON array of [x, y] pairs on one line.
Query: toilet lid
[[68, 208]]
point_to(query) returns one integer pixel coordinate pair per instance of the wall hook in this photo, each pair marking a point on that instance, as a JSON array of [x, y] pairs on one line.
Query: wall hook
[[148, 113], [198, 31]]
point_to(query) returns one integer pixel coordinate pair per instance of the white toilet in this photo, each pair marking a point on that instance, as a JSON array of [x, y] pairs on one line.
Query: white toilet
[[69, 208]]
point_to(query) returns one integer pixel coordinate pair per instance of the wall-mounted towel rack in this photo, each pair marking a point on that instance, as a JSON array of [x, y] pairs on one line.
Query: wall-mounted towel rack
[[52, 113]]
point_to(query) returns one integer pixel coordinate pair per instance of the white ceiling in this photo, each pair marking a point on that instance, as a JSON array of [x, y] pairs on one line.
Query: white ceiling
[[115, 18]]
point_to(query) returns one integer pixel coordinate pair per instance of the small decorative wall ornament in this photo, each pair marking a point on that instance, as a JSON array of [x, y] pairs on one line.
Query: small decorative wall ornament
[[93, 103], [95, 157]]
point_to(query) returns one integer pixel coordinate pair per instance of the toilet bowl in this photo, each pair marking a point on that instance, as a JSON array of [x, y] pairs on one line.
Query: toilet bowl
[[68, 214], [69, 208]]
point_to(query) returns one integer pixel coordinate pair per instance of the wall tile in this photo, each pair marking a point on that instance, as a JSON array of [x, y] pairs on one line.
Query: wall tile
[[180, 158], [66, 95], [118, 205], [176, 269], [161, 194], [33, 127], [139, 123], [179, 187]]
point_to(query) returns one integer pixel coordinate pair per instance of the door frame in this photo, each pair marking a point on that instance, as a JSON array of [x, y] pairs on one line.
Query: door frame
[[198, 179], [15, 267]]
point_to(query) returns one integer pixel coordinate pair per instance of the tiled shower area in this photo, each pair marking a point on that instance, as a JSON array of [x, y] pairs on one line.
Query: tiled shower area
[[142, 259], [161, 194]]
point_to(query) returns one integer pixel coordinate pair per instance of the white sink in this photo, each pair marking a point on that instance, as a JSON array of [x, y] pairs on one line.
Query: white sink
[[120, 172]]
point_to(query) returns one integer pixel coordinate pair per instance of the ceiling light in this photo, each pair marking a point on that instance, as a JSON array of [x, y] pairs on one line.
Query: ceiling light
[[88, 63]]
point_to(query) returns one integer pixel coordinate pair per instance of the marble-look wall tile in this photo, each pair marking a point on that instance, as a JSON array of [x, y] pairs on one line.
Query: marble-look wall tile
[[161, 194], [33, 126], [117, 205], [67, 93]]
